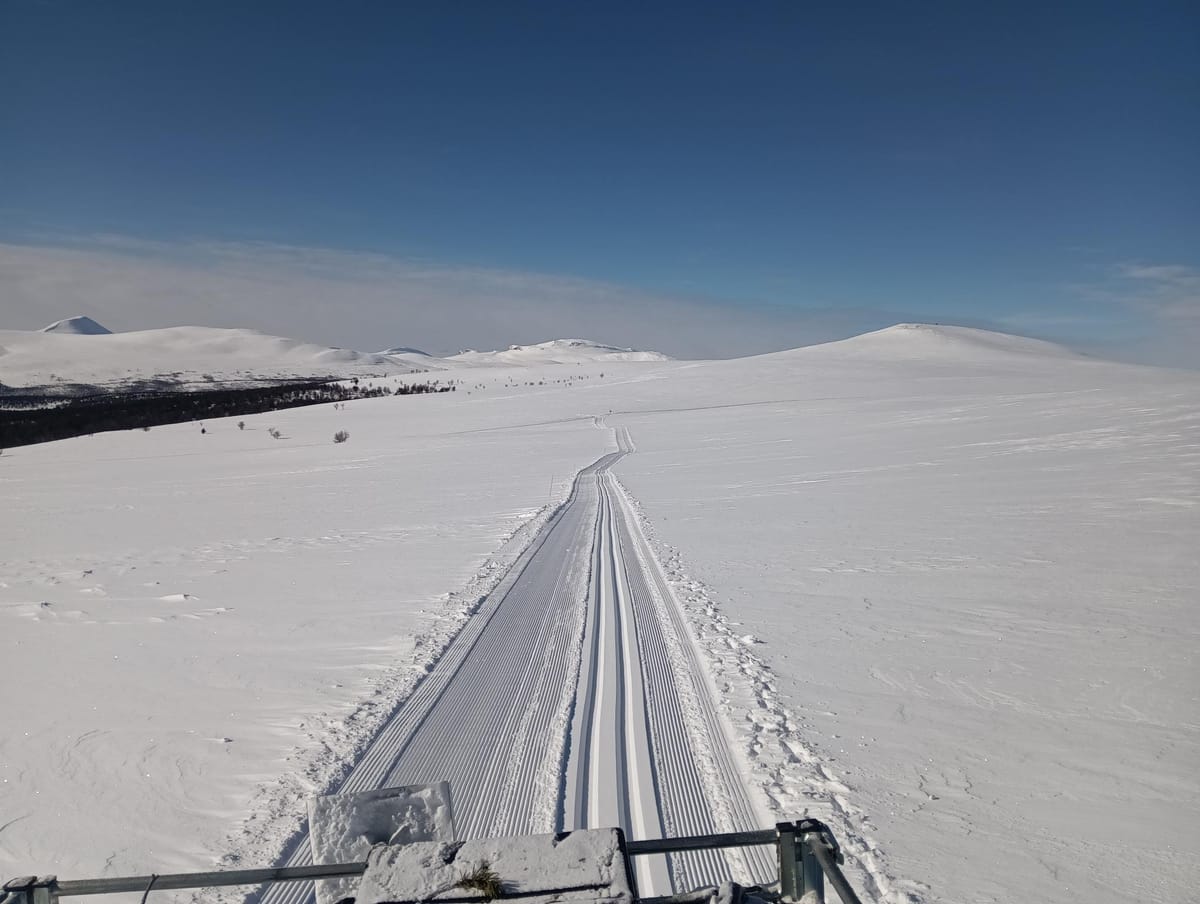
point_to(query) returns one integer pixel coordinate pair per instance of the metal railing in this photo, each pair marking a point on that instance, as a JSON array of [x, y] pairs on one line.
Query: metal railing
[[808, 854]]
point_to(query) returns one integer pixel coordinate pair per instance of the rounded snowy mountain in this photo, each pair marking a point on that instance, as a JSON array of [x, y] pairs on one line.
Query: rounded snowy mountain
[[557, 351], [404, 350], [79, 326]]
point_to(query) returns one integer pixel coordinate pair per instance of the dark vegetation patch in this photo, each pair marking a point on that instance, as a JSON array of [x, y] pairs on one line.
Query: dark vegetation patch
[[30, 416]]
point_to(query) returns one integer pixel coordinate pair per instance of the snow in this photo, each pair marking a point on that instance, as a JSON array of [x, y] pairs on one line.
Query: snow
[[977, 587], [180, 354], [344, 827], [190, 354], [536, 679], [404, 350], [968, 561], [320, 581], [956, 345], [79, 325], [542, 869], [556, 351]]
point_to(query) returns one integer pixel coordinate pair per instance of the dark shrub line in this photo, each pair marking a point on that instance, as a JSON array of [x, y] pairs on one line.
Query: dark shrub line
[[23, 422]]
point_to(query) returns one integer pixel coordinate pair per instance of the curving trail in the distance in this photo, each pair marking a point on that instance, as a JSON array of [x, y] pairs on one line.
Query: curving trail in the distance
[[574, 698]]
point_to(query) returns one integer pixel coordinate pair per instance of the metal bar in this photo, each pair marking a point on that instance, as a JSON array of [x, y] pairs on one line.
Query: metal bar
[[336, 870], [833, 872], [30, 890], [700, 842], [791, 884], [211, 879], [808, 868]]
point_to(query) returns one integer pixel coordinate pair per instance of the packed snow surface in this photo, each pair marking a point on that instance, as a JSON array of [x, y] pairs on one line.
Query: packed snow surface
[[941, 592], [549, 680]]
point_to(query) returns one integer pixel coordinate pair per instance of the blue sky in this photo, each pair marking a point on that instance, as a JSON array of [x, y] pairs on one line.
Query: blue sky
[[1026, 166]]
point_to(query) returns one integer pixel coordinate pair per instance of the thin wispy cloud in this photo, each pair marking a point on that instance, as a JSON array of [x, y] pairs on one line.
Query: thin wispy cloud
[[1153, 307], [1170, 291], [370, 301]]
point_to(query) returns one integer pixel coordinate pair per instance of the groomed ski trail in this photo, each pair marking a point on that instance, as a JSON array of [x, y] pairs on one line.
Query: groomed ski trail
[[573, 698]]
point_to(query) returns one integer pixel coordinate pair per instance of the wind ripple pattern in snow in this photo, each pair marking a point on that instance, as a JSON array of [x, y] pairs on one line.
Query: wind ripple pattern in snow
[[573, 698]]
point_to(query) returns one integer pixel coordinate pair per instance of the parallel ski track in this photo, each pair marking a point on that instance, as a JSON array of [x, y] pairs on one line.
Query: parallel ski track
[[570, 646], [610, 738], [692, 804]]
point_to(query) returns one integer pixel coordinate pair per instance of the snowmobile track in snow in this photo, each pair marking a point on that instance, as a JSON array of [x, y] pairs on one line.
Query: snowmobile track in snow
[[573, 698]]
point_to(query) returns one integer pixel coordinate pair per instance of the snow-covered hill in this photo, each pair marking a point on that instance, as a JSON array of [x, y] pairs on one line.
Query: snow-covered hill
[[415, 359], [79, 326], [405, 350], [934, 342], [183, 354], [79, 350], [556, 351]]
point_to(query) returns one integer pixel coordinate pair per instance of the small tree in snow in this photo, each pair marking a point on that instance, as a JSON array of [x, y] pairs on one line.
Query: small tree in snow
[[341, 436]]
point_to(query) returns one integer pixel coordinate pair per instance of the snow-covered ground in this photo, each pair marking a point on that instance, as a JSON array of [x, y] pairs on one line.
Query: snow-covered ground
[[187, 618], [945, 582], [974, 579], [571, 699]]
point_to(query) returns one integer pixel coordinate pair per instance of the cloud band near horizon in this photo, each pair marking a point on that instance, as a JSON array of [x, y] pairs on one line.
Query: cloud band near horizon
[[370, 301]]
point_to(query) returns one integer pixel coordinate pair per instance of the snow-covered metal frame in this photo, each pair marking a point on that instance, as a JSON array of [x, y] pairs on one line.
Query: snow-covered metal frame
[[808, 854]]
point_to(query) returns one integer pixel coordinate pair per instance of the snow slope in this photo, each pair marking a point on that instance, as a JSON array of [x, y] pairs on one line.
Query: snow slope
[[944, 595], [189, 354], [80, 326], [965, 583], [182, 354], [556, 351], [405, 350], [932, 343]]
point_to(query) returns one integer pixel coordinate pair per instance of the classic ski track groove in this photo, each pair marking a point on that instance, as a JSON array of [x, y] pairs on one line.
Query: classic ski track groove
[[581, 641]]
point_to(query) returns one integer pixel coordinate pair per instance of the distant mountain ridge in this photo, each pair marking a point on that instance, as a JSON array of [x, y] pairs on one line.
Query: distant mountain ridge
[[404, 350], [181, 354], [555, 351], [932, 343], [195, 354], [190, 354], [79, 325]]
